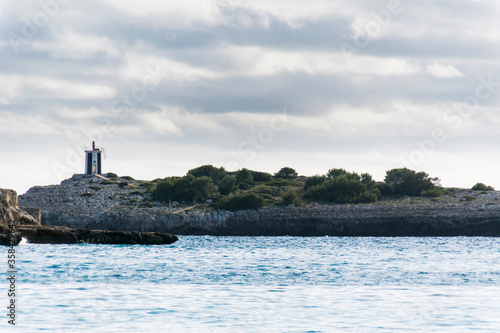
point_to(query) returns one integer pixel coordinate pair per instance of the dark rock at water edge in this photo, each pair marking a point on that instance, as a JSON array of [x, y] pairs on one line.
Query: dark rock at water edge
[[59, 235]]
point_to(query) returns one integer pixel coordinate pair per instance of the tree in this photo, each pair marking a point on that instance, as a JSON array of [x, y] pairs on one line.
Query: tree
[[227, 185], [313, 181], [408, 182], [261, 176], [286, 173], [343, 187], [244, 179], [221, 178], [204, 188], [342, 190], [208, 171], [482, 187]]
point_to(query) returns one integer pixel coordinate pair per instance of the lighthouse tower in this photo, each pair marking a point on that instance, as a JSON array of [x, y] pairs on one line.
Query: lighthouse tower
[[93, 160]]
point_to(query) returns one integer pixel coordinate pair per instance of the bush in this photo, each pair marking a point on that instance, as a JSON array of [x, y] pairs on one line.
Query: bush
[[148, 204], [244, 179], [261, 176], [242, 201], [204, 188], [95, 188], [344, 187], [313, 181], [433, 192], [149, 186], [291, 198], [111, 175], [227, 185], [128, 178], [107, 182], [408, 182], [122, 184], [267, 192], [187, 188], [482, 187], [220, 177], [208, 171], [87, 194], [286, 173]]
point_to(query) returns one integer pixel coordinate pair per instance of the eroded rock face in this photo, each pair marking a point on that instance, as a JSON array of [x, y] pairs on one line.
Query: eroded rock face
[[86, 202], [10, 211]]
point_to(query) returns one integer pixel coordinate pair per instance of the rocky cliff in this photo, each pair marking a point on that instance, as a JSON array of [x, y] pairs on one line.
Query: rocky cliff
[[16, 223], [88, 202]]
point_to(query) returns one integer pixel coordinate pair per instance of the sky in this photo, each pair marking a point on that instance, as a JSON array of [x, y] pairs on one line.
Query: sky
[[166, 86]]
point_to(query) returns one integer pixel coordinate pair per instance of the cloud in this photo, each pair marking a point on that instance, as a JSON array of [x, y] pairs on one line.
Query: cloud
[[198, 78], [443, 71]]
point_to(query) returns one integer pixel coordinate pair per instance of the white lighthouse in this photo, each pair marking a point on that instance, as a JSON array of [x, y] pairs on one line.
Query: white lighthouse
[[93, 160]]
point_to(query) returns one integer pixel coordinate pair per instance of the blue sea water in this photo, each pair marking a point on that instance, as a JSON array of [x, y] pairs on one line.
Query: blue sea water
[[261, 284]]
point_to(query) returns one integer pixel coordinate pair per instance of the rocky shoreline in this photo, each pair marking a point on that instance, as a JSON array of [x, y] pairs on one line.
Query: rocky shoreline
[[87, 202], [16, 223]]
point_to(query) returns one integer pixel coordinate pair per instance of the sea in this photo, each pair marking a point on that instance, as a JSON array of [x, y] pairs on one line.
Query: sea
[[259, 284]]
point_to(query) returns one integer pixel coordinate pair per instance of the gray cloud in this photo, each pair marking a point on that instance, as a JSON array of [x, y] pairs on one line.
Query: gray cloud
[[195, 80]]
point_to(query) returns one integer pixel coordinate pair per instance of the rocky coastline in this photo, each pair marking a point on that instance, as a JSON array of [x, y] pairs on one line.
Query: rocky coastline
[[18, 222], [88, 202]]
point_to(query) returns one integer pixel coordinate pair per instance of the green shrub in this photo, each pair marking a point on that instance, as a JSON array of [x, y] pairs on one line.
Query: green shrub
[[433, 192], [127, 178], [107, 182], [469, 198], [244, 179], [149, 186], [136, 193], [261, 176], [408, 182], [87, 194], [267, 192], [242, 201], [220, 177], [291, 198], [343, 188], [122, 184], [286, 173], [482, 187], [148, 204], [95, 188], [283, 183], [187, 188], [313, 181], [112, 175], [133, 200]]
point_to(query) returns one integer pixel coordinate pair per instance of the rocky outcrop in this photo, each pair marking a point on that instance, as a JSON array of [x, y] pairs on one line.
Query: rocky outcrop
[[61, 235], [16, 223], [10, 211], [87, 202]]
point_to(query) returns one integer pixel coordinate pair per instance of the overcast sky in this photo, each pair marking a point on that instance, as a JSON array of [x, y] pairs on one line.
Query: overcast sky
[[166, 86]]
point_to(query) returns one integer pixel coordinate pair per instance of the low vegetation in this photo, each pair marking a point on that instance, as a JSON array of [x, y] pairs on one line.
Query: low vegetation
[[482, 187], [214, 187], [209, 187]]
